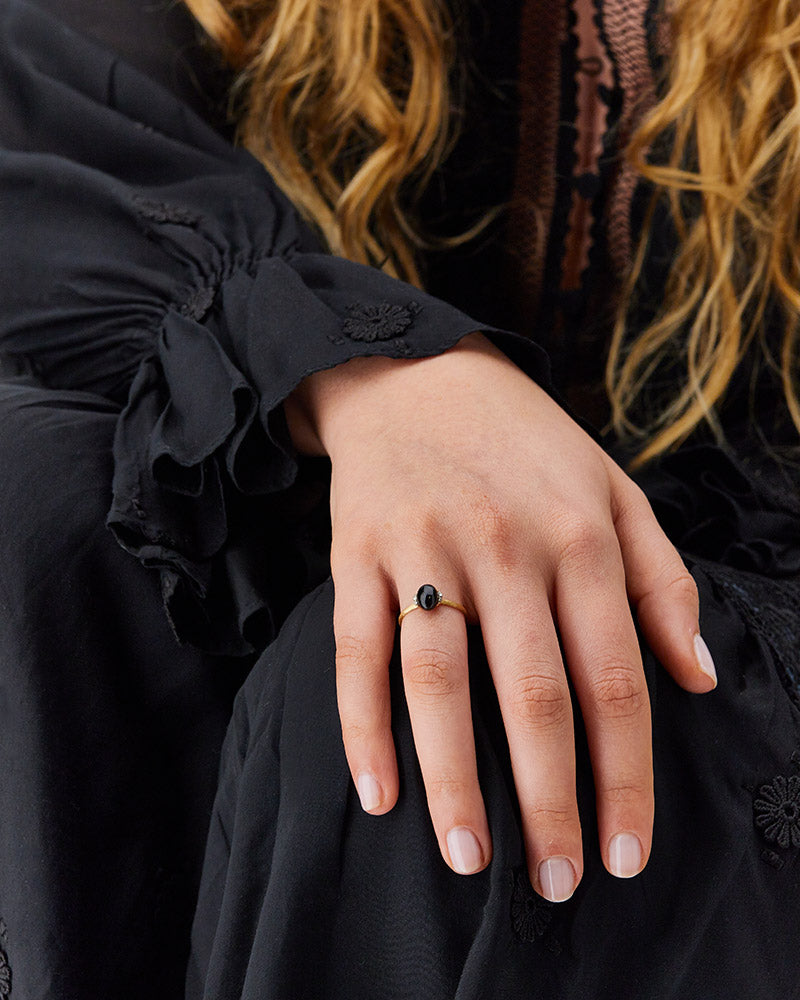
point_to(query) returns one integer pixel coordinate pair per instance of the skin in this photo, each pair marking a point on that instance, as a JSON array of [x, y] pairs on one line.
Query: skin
[[460, 471]]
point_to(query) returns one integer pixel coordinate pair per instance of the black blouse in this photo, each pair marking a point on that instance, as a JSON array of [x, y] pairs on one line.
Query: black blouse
[[157, 266]]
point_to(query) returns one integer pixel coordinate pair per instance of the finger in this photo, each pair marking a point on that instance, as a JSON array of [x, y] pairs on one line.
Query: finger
[[663, 592], [364, 627], [605, 665], [433, 648], [532, 690]]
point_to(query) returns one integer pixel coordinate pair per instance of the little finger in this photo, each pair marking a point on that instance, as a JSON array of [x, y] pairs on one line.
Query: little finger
[[663, 591]]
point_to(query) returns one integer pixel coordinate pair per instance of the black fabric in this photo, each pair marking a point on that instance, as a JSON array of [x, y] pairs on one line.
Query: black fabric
[[181, 284], [109, 731], [162, 40], [306, 896], [160, 299], [334, 903]]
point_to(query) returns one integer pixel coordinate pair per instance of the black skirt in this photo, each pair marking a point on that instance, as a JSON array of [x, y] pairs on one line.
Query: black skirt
[[306, 896]]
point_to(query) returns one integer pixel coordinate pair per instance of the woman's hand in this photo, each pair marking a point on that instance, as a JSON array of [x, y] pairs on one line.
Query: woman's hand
[[458, 470]]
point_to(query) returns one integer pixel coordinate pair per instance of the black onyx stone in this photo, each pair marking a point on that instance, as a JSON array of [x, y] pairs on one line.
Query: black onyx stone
[[427, 596]]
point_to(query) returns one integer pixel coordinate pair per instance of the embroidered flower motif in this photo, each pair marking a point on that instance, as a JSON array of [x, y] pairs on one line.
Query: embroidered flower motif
[[777, 811], [199, 303], [530, 913], [161, 212], [772, 859], [5, 977], [382, 321]]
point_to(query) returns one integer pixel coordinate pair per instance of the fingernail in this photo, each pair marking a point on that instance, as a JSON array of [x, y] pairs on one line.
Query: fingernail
[[624, 855], [704, 658], [369, 791], [557, 879], [465, 851]]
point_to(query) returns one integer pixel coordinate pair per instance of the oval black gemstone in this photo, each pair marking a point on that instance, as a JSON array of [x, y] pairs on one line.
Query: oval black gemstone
[[427, 596]]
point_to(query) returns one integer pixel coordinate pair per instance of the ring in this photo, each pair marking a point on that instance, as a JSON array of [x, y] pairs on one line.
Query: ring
[[428, 598]]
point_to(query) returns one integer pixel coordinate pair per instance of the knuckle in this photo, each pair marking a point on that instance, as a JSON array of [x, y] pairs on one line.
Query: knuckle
[[625, 794], [355, 544], [552, 816], [632, 502], [423, 525], [672, 584], [683, 588], [581, 540], [493, 530], [446, 787], [619, 693], [540, 702], [358, 733], [354, 657], [431, 673]]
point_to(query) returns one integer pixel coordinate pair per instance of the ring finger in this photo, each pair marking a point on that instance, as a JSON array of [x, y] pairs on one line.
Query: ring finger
[[433, 645]]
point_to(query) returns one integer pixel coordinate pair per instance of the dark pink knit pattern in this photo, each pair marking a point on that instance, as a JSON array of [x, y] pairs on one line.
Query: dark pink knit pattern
[[591, 123], [626, 31], [543, 30], [611, 50]]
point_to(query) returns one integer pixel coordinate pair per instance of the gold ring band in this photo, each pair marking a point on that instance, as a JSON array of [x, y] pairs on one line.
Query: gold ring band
[[426, 599]]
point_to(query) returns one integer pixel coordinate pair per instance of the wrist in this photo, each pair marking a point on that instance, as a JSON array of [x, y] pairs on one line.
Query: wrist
[[315, 408], [298, 409], [324, 405]]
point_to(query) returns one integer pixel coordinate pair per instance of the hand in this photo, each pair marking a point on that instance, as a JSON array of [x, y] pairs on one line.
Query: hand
[[458, 470]]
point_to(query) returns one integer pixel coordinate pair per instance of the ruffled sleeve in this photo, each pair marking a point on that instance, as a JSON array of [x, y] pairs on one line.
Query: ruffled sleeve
[[153, 264]]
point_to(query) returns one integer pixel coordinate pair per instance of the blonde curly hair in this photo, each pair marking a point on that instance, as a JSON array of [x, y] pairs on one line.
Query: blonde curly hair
[[730, 116], [346, 102]]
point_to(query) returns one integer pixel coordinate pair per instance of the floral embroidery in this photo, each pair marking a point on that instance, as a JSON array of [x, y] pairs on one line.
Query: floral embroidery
[[770, 609], [161, 212], [777, 811], [5, 968], [199, 303], [382, 321], [772, 859], [530, 913], [5, 976]]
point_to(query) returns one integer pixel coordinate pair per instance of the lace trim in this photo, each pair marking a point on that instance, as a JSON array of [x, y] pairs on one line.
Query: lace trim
[[770, 609], [5, 968]]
